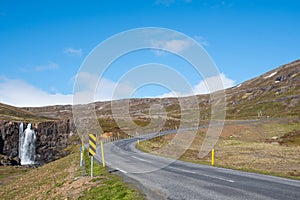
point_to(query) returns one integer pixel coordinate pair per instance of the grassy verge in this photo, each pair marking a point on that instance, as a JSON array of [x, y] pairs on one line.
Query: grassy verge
[[9, 173], [107, 185], [62, 179]]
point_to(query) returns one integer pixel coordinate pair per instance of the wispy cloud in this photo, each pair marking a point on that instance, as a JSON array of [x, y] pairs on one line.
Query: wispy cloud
[[175, 45], [73, 52], [202, 41], [49, 66]]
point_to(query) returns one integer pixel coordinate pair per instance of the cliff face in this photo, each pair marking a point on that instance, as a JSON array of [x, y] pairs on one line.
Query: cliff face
[[9, 140], [52, 138]]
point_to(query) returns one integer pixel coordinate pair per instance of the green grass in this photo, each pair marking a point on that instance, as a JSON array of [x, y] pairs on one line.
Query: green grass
[[110, 186]]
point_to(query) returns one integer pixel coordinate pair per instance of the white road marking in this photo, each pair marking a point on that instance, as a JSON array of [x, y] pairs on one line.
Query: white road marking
[[183, 170], [214, 177], [141, 159], [121, 170]]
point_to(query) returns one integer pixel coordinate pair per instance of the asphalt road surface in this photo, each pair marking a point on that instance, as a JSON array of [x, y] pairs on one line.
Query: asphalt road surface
[[164, 178]]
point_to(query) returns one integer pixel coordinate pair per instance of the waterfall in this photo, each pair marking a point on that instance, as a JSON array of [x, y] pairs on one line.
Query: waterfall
[[27, 140]]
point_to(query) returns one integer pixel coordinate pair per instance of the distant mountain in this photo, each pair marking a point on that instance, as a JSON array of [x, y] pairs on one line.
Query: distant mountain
[[11, 113], [274, 94]]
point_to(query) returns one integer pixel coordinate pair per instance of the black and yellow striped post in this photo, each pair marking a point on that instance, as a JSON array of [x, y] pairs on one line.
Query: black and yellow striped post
[[92, 150], [92, 144]]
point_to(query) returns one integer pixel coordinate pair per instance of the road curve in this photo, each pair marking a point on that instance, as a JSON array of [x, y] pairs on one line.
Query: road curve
[[164, 178]]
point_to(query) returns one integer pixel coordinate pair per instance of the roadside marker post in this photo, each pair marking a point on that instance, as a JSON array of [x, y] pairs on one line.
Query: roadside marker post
[[81, 157], [102, 153], [92, 166], [92, 151], [81, 152], [213, 157]]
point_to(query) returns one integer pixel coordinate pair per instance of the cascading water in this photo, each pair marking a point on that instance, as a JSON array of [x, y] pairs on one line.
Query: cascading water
[[27, 140]]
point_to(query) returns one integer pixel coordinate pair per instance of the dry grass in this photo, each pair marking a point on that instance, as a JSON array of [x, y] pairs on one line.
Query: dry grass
[[61, 179], [261, 157]]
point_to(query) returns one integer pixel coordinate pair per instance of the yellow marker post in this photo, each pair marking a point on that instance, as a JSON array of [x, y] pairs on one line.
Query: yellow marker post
[[138, 142], [102, 153], [213, 157]]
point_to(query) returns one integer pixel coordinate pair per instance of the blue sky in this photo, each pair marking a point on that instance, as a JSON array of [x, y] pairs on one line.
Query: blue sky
[[43, 43]]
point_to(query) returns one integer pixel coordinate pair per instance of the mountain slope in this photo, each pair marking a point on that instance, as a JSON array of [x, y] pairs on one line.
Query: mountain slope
[[274, 94], [11, 113]]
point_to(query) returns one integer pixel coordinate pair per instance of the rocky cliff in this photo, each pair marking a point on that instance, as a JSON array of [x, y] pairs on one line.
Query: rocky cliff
[[52, 138]]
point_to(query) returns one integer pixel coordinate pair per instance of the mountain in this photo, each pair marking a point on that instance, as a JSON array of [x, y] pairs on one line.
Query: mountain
[[12, 113], [273, 94]]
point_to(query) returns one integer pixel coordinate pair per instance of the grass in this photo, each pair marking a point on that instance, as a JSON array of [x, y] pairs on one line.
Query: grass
[[9, 173], [108, 186], [61, 179]]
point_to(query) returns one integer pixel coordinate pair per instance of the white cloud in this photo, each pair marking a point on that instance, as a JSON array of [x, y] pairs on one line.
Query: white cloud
[[89, 88], [206, 86], [73, 52], [210, 85], [20, 93], [108, 90], [175, 45], [172, 94], [49, 66]]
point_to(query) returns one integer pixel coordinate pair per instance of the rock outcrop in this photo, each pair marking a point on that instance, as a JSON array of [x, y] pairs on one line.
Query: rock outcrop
[[52, 138]]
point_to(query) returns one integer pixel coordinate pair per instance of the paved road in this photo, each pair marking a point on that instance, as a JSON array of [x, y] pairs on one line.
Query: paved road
[[164, 178]]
